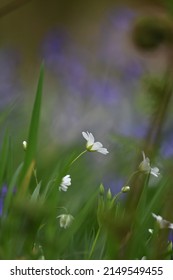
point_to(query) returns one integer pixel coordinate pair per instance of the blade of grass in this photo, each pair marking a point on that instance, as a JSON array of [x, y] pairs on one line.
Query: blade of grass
[[33, 133], [157, 198], [36, 193], [4, 156], [11, 187]]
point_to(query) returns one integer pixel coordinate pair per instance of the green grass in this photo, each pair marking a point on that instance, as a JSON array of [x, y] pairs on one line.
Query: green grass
[[104, 226]]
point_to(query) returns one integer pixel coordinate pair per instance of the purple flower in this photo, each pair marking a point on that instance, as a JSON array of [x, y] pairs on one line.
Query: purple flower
[[3, 193], [115, 184], [167, 146], [132, 70], [9, 61], [122, 17]]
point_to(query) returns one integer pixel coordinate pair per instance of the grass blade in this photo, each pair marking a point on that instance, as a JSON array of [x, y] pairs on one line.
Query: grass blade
[[33, 133], [4, 156]]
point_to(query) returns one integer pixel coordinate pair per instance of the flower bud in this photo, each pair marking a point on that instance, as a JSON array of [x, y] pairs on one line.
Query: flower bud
[[150, 230], [101, 189], [109, 194], [125, 189], [25, 144]]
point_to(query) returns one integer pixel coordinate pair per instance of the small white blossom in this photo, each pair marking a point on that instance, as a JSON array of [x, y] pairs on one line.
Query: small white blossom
[[65, 183], [65, 220], [93, 146], [155, 171], [145, 167], [161, 222]]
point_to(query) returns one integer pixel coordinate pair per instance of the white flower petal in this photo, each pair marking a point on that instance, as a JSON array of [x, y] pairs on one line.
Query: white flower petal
[[65, 183], [144, 166], [155, 171], [96, 146], [90, 140], [89, 137], [63, 188], [162, 223], [65, 220], [66, 178], [85, 135], [170, 226], [157, 217], [103, 151]]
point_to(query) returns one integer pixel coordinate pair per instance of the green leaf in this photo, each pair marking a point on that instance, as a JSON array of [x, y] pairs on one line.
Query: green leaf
[[4, 156], [33, 134], [156, 200], [35, 194], [11, 187]]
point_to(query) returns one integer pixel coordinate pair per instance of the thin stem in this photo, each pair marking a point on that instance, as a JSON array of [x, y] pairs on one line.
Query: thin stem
[[78, 157], [131, 176], [116, 196], [94, 243]]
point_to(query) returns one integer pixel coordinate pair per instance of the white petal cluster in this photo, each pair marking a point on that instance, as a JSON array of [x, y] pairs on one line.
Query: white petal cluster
[[65, 220], [145, 167], [161, 222], [92, 146], [65, 183]]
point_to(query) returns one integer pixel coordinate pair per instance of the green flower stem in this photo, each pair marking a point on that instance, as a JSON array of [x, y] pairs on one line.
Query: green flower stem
[[130, 178], [116, 196], [73, 161], [78, 157], [94, 243]]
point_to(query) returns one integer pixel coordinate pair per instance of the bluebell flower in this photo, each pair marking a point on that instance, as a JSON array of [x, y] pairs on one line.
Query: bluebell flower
[[3, 193], [9, 61], [122, 17], [167, 146]]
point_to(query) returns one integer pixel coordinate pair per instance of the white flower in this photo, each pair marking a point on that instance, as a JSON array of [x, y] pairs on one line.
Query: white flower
[[93, 146], [145, 167], [155, 171], [65, 183], [65, 220], [161, 222]]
